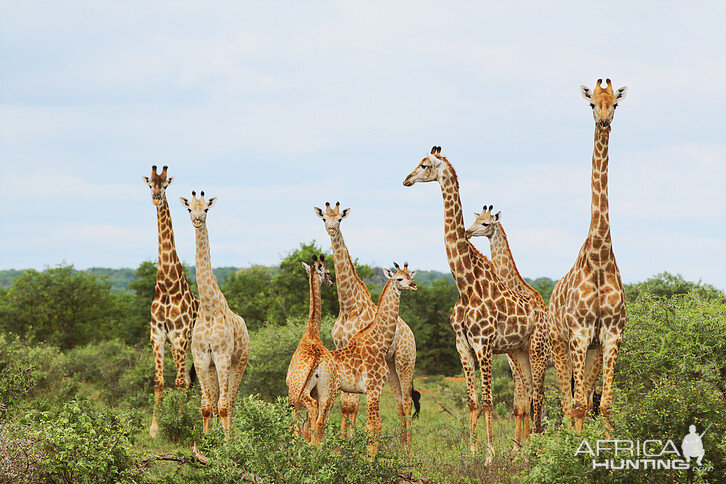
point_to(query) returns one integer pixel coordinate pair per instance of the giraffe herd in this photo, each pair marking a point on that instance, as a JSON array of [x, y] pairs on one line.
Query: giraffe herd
[[496, 312]]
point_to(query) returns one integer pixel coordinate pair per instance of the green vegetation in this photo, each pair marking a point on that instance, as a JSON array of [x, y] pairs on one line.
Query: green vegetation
[[76, 380]]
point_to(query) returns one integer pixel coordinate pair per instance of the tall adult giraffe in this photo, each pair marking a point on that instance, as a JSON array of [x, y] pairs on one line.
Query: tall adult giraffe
[[356, 311], [587, 307], [221, 344], [488, 317], [489, 225], [174, 308]]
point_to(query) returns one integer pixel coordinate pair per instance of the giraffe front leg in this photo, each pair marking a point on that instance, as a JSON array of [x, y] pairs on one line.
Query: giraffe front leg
[[519, 401], [374, 425], [349, 405], [157, 344], [538, 356], [466, 355], [484, 355], [610, 357]]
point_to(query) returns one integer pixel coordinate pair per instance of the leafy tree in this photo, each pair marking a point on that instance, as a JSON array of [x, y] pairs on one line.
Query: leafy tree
[[60, 306], [543, 285], [668, 285], [249, 293]]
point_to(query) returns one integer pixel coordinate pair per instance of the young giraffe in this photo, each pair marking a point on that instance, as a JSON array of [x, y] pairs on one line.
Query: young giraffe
[[312, 369], [488, 317], [174, 308], [362, 362], [587, 306], [220, 344], [356, 311], [490, 226]]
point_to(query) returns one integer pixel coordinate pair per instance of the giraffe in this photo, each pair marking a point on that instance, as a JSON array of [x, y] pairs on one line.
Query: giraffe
[[488, 317], [356, 311], [362, 362], [220, 343], [312, 369], [489, 225], [587, 308], [174, 308]]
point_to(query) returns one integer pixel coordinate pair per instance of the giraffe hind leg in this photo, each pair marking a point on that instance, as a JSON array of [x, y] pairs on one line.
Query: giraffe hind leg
[[157, 344]]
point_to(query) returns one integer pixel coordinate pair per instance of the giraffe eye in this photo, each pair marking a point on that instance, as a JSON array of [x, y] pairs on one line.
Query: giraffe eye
[[206, 210], [400, 278], [485, 224], [424, 166], [190, 210], [592, 105]]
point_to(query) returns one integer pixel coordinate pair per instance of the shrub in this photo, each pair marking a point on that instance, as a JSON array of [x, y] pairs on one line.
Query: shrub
[[180, 419], [264, 445], [84, 444]]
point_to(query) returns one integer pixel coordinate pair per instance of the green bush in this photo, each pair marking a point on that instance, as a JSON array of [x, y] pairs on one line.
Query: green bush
[[83, 443], [180, 419], [264, 445]]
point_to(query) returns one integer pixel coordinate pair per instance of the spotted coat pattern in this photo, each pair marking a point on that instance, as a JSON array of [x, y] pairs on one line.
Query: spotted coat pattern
[[587, 308], [174, 308], [488, 316]]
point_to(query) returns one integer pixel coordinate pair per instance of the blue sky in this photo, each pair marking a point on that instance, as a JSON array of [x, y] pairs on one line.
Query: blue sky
[[277, 107]]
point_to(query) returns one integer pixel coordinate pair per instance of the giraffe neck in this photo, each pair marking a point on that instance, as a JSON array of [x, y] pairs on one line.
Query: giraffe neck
[[352, 291], [313, 326], [459, 250], [169, 267], [599, 215], [504, 264], [386, 319], [210, 296]]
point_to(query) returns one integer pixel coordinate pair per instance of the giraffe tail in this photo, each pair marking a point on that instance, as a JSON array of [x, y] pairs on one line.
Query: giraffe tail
[[192, 376], [416, 397], [295, 394]]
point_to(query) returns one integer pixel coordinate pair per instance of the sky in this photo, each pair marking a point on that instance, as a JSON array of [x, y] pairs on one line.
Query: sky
[[277, 107]]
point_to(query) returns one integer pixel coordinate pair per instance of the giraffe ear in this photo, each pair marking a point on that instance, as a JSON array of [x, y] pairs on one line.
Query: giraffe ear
[[147, 180], [344, 213], [477, 214], [211, 202], [498, 216], [184, 201], [318, 212], [306, 267], [388, 273], [412, 274], [168, 181], [586, 93], [620, 94]]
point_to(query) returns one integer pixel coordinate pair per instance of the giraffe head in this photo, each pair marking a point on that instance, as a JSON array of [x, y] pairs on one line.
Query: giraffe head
[[332, 216], [485, 224], [320, 270], [428, 170], [198, 208], [402, 279], [603, 101], [158, 183]]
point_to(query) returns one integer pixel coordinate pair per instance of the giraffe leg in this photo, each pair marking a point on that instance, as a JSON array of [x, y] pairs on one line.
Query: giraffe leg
[[238, 370], [525, 377], [395, 384], [561, 358], [538, 356], [593, 366], [180, 361], [374, 425], [349, 405], [466, 355], [158, 335], [578, 351], [519, 401], [610, 357], [484, 355], [328, 388], [208, 383], [405, 359], [224, 366]]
